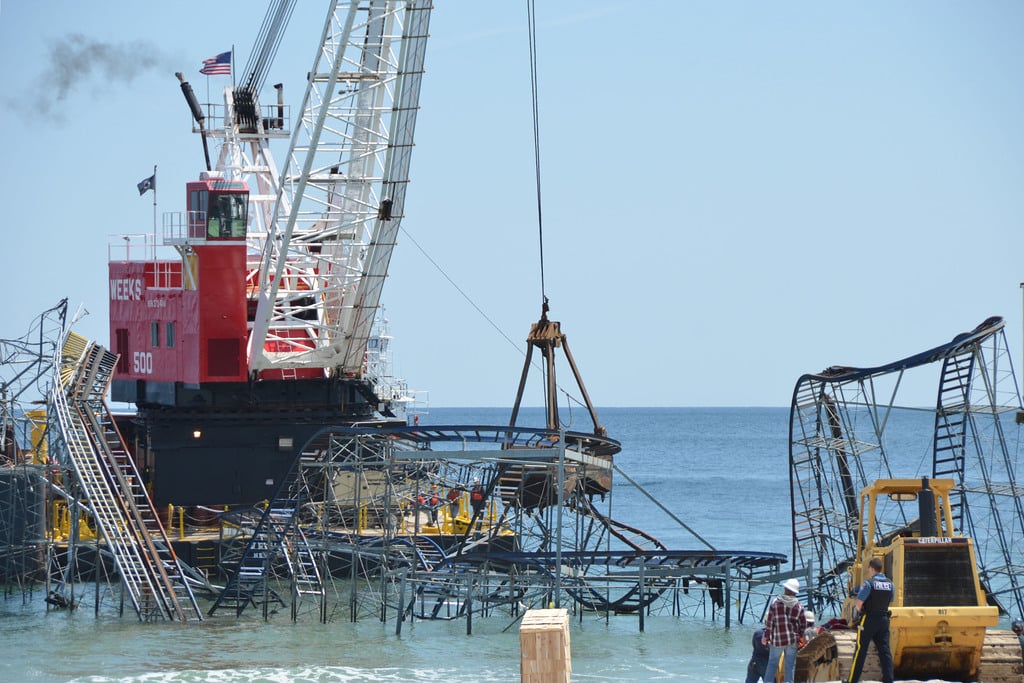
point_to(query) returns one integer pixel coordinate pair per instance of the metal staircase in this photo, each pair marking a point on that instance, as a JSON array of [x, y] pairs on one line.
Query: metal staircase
[[302, 567], [951, 415], [112, 488], [277, 543], [428, 553]]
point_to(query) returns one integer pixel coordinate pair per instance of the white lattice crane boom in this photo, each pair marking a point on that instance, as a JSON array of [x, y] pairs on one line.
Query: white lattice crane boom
[[342, 190]]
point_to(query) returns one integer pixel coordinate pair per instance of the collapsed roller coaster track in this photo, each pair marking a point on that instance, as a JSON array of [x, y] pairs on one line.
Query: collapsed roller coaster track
[[847, 428]]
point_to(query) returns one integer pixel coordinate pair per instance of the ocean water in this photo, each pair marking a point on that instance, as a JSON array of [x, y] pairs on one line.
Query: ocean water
[[721, 471]]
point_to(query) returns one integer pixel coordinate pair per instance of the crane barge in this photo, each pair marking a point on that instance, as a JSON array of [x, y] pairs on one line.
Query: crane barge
[[255, 332]]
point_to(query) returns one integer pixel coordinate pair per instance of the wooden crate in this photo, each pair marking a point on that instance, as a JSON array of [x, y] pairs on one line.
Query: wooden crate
[[545, 655]]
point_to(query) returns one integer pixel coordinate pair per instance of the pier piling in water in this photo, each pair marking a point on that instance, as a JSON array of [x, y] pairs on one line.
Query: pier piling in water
[[545, 655]]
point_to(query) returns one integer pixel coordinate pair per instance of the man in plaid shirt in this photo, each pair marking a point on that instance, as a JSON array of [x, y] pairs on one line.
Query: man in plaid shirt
[[783, 630]]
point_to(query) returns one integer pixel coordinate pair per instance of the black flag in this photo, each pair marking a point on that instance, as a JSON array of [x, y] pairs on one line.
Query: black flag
[[147, 184]]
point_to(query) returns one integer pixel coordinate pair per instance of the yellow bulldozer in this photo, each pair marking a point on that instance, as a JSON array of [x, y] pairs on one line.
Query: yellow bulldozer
[[941, 625]]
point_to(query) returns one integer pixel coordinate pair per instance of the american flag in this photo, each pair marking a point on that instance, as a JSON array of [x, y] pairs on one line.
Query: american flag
[[216, 66]]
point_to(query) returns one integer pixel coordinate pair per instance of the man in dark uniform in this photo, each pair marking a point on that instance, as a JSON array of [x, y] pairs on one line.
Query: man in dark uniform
[[873, 600]]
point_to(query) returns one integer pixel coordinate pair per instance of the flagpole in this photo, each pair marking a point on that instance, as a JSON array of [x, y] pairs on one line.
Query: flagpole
[[232, 65], [154, 209]]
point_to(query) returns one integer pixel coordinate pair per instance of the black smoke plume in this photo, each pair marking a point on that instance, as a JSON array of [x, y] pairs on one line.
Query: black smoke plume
[[77, 63]]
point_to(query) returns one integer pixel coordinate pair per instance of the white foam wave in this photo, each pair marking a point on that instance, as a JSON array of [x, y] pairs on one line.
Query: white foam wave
[[309, 674]]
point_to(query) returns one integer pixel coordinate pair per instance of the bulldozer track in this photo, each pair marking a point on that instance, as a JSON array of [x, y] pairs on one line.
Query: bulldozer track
[[1001, 658]]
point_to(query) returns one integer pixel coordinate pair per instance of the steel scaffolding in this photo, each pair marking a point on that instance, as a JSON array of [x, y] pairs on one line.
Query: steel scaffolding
[[25, 374]]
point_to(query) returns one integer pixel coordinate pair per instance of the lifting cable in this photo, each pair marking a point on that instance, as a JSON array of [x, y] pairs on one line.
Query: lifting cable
[[264, 48], [531, 17], [532, 21]]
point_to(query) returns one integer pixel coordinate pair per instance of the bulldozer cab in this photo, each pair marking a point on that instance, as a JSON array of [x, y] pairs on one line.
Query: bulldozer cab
[[908, 523]]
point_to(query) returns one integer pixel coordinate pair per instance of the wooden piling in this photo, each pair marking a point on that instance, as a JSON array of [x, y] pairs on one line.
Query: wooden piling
[[545, 656]]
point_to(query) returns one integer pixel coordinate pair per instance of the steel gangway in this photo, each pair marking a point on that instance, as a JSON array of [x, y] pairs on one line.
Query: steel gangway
[[112, 489], [277, 544], [164, 560]]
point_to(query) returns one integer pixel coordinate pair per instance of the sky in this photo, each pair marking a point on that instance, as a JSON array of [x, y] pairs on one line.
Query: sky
[[733, 194]]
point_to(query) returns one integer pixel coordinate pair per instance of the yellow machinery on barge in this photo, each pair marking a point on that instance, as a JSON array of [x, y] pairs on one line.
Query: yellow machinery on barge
[[941, 624]]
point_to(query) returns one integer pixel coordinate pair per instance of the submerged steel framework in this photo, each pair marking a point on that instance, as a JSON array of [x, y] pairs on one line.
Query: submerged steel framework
[[25, 375], [345, 536], [847, 428], [22, 526]]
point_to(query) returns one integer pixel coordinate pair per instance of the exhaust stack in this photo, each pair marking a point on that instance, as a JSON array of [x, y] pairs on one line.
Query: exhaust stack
[[197, 114], [279, 87], [926, 510]]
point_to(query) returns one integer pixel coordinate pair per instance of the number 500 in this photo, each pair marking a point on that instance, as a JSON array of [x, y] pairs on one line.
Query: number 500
[[142, 363]]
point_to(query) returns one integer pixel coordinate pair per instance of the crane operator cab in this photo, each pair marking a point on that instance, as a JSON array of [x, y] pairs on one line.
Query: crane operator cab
[[217, 208]]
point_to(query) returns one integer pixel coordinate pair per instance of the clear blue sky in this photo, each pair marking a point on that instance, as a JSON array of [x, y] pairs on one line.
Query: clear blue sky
[[734, 193]]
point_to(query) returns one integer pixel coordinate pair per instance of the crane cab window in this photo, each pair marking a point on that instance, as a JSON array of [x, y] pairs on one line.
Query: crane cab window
[[227, 216]]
